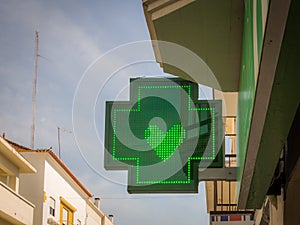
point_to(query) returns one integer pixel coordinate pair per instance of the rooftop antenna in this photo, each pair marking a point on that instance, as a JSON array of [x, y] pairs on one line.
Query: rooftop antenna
[[34, 82], [59, 129]]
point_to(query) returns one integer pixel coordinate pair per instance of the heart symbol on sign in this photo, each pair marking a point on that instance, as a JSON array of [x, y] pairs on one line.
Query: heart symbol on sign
[[165, 143]]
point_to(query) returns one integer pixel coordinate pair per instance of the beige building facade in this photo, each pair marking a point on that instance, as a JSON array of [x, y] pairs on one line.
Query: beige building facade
[[14, 207], [59, 197]]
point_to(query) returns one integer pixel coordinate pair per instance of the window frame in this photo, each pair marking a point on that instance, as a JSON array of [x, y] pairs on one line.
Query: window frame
[[69, 208], [52, 209]]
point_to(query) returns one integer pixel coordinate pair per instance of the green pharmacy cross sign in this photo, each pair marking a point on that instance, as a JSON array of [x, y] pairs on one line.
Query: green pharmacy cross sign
[[163, 135]]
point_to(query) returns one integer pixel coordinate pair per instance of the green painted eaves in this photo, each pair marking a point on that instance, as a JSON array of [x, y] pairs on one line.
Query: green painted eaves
[[285, 97]]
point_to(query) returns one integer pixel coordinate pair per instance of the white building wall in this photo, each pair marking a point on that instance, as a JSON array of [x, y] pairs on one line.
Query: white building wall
[[32, 185], [51, 180], [92, 221], [92, 217], [14, 208], [276, 210], [107, 221], [56, 186]]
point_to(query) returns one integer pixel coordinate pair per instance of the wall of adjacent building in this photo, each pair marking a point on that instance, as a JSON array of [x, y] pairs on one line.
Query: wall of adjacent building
[[31, 185], [50, 182], [93, 215], [53, 182], [14, 208], [4, 222], [107, 221], [276, 210], [57, 186], [272, 212]]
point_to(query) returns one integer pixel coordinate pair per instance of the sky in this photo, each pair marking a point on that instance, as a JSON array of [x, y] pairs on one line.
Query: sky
[[75, 37]]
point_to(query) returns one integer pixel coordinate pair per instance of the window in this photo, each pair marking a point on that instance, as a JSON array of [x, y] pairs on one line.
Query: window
[[52, 206], [66, 212]]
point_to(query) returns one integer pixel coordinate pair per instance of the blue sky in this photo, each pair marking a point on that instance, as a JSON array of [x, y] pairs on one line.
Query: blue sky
[[73, 34]]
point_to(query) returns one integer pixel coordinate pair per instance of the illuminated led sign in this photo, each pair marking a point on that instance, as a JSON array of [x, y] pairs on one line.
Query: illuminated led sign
[[162, 135]]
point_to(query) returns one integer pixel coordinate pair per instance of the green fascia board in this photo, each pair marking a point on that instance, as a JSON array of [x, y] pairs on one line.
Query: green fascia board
[[259, 24], [246, 89], [284, 101]]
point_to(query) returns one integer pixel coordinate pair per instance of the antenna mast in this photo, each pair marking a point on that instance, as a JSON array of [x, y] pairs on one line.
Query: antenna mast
[[34, 82], [59, 129]]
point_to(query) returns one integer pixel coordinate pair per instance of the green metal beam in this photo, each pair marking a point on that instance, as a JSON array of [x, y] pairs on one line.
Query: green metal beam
[[283, 105]]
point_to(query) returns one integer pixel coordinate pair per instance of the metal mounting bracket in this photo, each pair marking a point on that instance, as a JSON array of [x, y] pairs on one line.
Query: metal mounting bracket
[[210, 174]]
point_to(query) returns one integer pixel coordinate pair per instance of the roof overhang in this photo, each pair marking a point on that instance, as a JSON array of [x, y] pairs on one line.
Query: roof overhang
[[276, 101], [55, 161], [13, 156], [217, 38]]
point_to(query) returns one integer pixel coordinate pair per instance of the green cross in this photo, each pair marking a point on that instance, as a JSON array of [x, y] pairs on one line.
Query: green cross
[[162, 134]]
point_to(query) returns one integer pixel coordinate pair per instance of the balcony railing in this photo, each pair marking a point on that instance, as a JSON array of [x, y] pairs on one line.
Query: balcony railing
[[16, 209]]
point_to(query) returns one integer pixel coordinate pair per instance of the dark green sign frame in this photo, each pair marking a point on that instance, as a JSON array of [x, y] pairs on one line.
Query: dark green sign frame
[[162, 135]]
